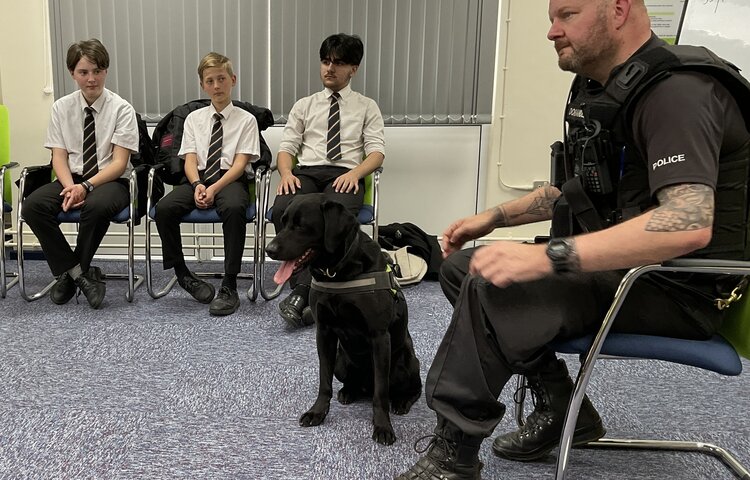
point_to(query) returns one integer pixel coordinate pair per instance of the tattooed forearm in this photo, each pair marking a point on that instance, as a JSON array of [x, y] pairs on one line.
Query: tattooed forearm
[[499, 217], [542, 205], [688, 206], [535, 207]]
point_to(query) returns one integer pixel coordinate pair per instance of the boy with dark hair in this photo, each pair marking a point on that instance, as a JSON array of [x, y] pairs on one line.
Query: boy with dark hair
[[218, 144], [337, 138], [91, 134]]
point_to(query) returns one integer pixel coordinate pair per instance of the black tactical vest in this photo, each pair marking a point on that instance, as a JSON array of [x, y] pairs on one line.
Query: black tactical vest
[[601, 173]]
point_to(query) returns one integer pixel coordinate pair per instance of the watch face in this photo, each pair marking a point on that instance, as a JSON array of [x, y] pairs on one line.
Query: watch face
[[558, 250]]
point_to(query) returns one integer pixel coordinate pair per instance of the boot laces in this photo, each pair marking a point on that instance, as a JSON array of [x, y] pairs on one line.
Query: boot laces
[[539, 415], [437, 445], [534, 386]]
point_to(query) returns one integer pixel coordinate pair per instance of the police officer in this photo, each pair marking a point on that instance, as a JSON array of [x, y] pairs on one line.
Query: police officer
[[646, 171]]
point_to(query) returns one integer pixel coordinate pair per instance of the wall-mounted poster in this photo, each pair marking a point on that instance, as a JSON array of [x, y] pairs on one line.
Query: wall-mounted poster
[[665, 17]]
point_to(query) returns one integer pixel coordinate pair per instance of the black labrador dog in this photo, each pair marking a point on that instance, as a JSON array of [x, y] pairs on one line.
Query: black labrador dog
[[360, 313]]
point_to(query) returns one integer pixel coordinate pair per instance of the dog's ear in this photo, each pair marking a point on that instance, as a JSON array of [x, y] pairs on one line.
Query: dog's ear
[[338, 224]]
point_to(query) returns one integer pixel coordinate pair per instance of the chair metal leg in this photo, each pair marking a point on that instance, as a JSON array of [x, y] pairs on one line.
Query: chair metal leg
[[21, 274], [149, 274], [673, 445], [260, 259], [4, 274], [260, 268], [587, 368]]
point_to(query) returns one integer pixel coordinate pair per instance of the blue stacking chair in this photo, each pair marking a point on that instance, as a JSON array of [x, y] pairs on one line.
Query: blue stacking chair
[[368, 216], [5, 285], [127, 216], [718, 354], [208, 216]]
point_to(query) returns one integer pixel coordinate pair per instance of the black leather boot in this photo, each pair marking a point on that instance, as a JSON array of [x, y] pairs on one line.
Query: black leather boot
[[447, 458], [551, 390]]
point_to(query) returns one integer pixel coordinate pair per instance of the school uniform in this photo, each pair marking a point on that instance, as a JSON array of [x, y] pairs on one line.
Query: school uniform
[[115, 124], [240, 135]]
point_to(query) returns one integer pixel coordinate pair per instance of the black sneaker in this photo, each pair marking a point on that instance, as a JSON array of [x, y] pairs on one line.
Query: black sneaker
[[63, 289], [226, 302], [200, 290], [92, 286]]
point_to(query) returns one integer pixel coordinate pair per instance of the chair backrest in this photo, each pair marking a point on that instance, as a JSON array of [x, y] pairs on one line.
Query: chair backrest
[[5, 148], [735, 326]]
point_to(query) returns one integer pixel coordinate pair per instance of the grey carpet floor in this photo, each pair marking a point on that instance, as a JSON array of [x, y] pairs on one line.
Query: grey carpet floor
[[158, 389]]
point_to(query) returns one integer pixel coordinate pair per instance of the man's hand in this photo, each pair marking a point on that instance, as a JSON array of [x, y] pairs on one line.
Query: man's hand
[[288, 184], [346, 183], [465, 230], [503, 263], [73, 196]]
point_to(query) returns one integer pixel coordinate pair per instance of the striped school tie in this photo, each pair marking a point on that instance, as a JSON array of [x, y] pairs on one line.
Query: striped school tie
[[90, 167], [213, 161], [334, 129]]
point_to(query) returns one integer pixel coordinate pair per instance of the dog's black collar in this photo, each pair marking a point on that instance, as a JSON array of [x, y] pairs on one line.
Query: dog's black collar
[[331, 272]]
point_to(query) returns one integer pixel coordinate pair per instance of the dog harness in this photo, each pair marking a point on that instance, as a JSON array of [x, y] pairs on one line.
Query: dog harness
[[367, 282]]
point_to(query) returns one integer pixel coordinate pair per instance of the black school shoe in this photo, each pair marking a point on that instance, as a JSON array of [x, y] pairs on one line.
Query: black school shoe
[[197, 288], [92, 286], [292, 309], [226, 302], [63, 289]]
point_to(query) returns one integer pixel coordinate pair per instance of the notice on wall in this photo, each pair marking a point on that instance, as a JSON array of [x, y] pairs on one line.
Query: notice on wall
[[665, 17]]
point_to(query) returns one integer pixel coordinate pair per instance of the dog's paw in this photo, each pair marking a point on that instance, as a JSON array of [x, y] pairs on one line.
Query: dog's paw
[[402, 406], [384, 435], [346, 396], [311, 418]]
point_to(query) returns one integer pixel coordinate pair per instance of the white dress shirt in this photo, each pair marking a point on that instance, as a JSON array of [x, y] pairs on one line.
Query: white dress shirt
[[115, 125], [306, 132], [240, 135]]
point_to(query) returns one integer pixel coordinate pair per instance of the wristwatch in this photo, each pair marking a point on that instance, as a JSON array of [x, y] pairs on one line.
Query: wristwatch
[[88, 186], [195, 184], [562, 254]]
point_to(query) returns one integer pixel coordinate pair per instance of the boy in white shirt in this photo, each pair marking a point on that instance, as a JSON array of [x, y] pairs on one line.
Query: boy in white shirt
[[337, 137], [91, 134], [218, 143]]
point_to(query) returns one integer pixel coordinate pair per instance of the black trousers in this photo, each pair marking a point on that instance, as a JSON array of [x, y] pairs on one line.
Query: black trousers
[[317, 179], [231, 205], [496, 332], [40, 211]]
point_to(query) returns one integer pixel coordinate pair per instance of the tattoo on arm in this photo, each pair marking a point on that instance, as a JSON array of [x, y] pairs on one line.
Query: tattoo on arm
[[688, 206], [539, 206]]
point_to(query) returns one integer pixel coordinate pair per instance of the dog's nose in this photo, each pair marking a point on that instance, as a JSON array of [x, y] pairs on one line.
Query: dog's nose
[[272, 248]]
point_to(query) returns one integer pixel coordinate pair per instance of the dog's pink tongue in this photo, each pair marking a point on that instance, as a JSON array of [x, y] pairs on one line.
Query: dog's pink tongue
[[284, 272]]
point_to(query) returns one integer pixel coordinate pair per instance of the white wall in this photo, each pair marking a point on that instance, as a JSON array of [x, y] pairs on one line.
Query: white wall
[[433, 174], [25, 71]]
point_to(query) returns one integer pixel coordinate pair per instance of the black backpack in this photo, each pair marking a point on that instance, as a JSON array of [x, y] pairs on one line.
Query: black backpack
[[167, 138], [141, 161]]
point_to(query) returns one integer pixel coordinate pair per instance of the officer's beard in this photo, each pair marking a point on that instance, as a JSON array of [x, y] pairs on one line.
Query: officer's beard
[[599, 47]]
